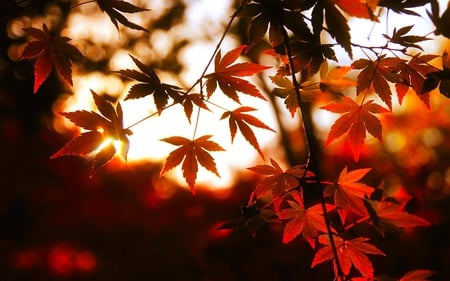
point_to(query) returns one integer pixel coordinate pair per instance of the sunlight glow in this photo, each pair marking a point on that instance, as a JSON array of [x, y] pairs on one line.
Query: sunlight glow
[[145, 142]]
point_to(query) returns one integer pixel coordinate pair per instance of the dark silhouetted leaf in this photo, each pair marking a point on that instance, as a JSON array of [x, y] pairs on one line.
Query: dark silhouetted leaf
[[114, 8], [151, 85], [376, 74], [50, 52]]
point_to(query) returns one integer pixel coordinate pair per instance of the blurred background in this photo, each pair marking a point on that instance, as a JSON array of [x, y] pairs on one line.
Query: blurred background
[[127, 223]]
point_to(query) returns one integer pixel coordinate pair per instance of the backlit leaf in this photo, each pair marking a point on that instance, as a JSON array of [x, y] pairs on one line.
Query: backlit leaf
[[104, 129], [308, 222], [389, 215], [276, 181], [226, 75], [418, 275], [349, 193], [189, 154], [50, 52], [360, 9], [356, 120], [350, 253], [238, 118]]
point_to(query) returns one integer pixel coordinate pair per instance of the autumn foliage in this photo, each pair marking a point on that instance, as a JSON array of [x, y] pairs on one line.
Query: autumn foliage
[[303, 39]]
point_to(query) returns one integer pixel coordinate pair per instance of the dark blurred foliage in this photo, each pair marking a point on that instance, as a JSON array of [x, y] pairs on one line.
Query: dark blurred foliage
[[59, 224]]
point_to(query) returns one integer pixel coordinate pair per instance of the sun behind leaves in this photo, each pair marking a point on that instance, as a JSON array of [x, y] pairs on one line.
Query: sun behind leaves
[[103, 130]]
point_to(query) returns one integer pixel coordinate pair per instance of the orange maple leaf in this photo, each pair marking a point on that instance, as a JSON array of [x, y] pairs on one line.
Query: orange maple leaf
[[225, 75], [308, 222], [278, 182], [191, 153], [349, 193], [350, 253], [356, 120], [239, 119], [360, 9], [50, 51]]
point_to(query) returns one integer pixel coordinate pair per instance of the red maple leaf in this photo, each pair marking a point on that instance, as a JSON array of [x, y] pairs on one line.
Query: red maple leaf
[[226, 75], [50, 51], [349, 193], [113, 9], [191, 153], [350, 253], [418, 275], [308, 222], [391, 215], [356, 120], [239, 119], [360, 9], [102, 128], [278, 182]]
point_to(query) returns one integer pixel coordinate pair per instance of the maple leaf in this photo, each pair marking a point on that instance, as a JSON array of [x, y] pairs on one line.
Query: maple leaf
[[239, 119], [113, 9], [308, 222], [391, 215], [278, 182], [189, 101], [401, 6], [102, 128], [418, 275], [350, 253], [286, 91], [191, 153], [150, 85], [356, 120], [349, 193], [50, 52], [360, 9], [413, 74], [442, 22], [266, 15], [334, 80], [439, 77], [400, 37], [376, 74], [336, 23], [225, 75]]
